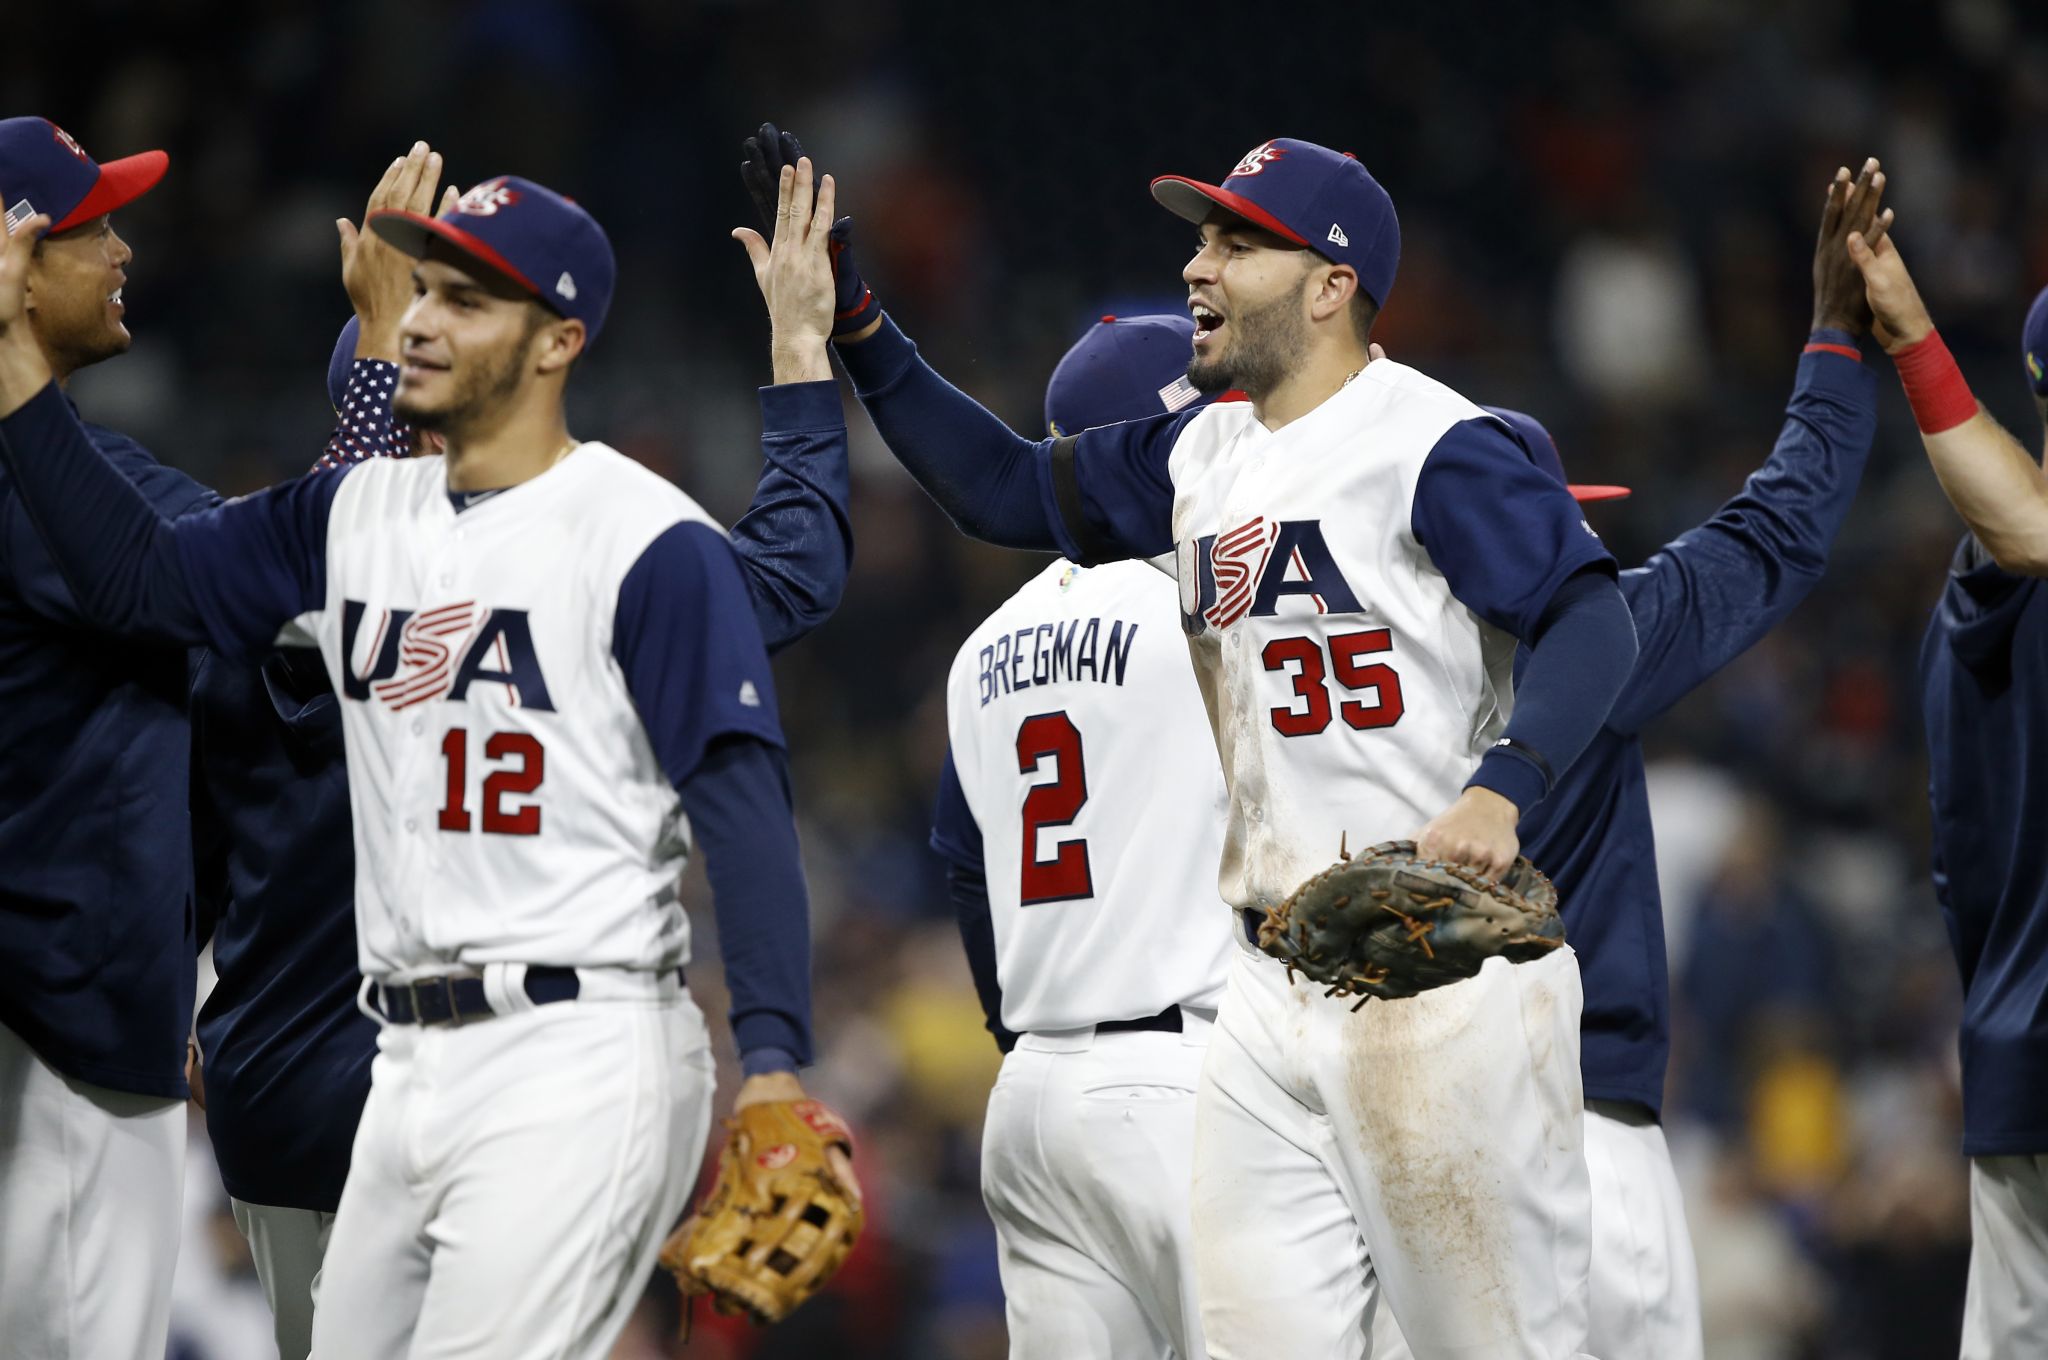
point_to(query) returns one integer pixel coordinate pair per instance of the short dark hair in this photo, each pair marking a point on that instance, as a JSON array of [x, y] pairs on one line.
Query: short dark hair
[[1364, 311]]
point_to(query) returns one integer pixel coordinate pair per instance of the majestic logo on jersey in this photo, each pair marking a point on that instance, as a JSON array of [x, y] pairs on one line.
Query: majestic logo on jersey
[[1256, 159], [414, 657], [1245, 571], [485, 199]]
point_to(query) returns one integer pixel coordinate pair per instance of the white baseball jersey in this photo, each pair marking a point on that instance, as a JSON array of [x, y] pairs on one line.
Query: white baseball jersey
[[511, 783], [1085, 760], [1352, 692]]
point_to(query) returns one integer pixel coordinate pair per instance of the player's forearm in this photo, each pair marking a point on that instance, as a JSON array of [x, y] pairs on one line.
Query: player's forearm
[[1579, 659], [741, 816], [1998, 488], [117, 555], [804, 359], [796, 539], [982, 473]]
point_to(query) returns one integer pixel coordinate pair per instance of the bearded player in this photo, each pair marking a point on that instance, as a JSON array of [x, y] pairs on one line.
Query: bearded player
[[1982, 699], [1359, 550], [1080, 814], [551, 684]]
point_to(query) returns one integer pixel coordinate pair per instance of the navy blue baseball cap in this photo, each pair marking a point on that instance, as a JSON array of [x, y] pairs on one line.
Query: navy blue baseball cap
[[1530, 433], [343, 360], [44, 170], [1124, 368], [2034, 341], [1306, 194], [543, 242]]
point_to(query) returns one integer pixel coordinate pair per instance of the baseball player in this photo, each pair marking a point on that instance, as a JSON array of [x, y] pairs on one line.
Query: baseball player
[[287, 1051], [96, 913], [1080, 814], [1358, 550], [551, 685], [1978, 697], [1698, 603]]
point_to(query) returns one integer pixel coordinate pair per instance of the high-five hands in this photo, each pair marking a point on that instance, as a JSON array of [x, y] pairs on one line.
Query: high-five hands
[[378, 275], [855, 310], [795, 274], [1850, 214]]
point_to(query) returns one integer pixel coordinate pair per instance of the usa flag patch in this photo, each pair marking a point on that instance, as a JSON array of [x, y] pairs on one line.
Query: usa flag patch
[[18, 214], [1179, 393]]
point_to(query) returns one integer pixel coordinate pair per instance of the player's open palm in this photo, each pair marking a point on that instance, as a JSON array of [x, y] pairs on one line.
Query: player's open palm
[[1901, 316], [377, 275], [795, 270]]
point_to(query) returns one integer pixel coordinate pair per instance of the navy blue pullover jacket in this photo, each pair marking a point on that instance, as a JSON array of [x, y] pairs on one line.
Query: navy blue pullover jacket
[[1982, 668]]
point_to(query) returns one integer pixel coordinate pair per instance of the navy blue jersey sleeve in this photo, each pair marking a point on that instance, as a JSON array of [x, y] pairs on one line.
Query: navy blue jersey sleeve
[[796, 539], [685, 638], [230, 575], [1505, 533], [1102, 496], [1578, 659], [739, 805], [956, 836], [1709, 595], [686, 641]]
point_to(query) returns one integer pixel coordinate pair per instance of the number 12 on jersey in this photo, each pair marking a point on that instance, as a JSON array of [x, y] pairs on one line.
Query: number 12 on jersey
[[1066, 876], [508, 780]]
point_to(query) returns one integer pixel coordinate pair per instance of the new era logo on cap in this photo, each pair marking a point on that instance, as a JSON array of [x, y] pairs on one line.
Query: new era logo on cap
[[566, 286], [1337, 236]]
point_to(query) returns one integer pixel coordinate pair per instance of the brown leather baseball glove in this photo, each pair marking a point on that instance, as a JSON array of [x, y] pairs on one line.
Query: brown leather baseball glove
[[1386, 923], [778, 1221]]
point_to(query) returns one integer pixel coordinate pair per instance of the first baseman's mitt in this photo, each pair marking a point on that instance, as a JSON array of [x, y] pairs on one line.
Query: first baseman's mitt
[[1385, 923], [779, 1220]]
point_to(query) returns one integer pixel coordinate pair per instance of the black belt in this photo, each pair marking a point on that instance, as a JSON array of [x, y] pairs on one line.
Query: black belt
[[1168, 1020], [452, 1000], [1252, 919]]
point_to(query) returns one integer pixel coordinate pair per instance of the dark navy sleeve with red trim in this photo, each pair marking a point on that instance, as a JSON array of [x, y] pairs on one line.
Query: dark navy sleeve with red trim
[[686, 639], [1710, 594]]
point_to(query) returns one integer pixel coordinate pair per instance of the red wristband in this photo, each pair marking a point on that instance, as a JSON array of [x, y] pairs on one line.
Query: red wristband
[[1941, 400]]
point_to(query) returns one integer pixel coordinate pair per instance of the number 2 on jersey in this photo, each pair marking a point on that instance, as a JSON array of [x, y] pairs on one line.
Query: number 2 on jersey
[[1065, 877], [507, 781]]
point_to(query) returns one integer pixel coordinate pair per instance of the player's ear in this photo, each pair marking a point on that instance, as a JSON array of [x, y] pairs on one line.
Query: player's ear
[[561, 345], [1334, 286]]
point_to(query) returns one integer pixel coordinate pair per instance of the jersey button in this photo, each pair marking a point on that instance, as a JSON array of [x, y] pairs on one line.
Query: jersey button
[[418, 727], [411, 824], [447, 578]]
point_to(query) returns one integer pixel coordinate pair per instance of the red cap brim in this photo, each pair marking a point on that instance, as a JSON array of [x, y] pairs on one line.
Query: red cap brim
[[409, 231], [120, 183], [1582, 494], [1192, 199]]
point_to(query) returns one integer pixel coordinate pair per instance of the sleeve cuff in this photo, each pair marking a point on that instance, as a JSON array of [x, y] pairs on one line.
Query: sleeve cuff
[[879, 360], [788, 407], [1832, 340], [1513, 776], [764, 1030], [756, 1061]]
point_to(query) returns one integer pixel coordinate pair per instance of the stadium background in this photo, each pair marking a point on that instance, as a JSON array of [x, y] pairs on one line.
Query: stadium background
[[1608, 214]]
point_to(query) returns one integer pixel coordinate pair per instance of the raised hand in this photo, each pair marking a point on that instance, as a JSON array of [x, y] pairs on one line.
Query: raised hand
[[378, 276], [795, 273], [1901, 318], [23, 369], [1851, 210], [855, 310]]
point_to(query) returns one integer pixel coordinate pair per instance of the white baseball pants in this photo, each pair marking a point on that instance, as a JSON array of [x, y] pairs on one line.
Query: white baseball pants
[[1643, 1297], [513, 1178], [1427, 1153], [91, 1184], [2005, 1309], [1086, 1157], [287, 1246]]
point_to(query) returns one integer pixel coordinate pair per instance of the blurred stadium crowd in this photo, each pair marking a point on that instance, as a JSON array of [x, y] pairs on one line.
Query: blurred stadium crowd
[[1608, 212]]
